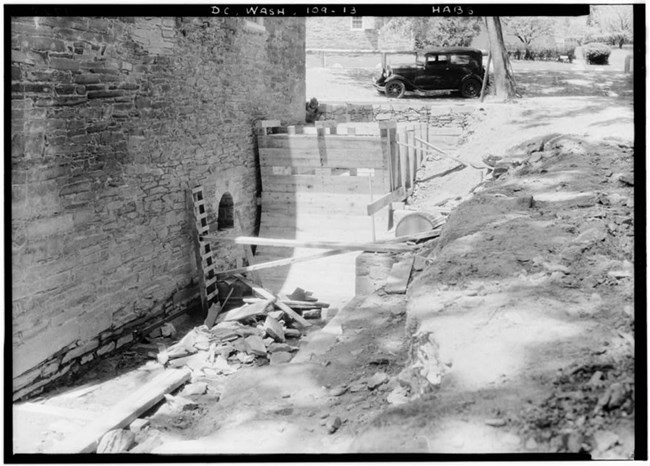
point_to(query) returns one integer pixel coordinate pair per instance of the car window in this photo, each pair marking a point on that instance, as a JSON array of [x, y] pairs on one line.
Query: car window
[[459, 59], [437, 60]]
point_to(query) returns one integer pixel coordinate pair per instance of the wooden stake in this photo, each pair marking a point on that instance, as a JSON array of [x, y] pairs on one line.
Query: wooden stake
[[372, 216]]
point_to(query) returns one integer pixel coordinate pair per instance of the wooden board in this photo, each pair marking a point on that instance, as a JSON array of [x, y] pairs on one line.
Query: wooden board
[[307, 141], [385, 200], [244, 312], [280, 262], [329, 184], [398, 278], [341, 245], [124, 412], [321, 156], [321, 203], [315, 222], [263, 293]]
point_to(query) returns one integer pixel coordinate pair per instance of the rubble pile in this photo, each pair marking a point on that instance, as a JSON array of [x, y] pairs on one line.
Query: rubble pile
[[254, 334]]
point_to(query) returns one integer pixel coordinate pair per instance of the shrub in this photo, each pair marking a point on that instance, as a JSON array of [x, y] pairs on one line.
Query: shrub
[[596, 53]]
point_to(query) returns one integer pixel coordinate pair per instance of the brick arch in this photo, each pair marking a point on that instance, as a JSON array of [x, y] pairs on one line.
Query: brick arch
[[226, 212]]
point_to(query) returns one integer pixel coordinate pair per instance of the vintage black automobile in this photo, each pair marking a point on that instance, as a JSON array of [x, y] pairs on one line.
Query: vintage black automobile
[[444, 69]]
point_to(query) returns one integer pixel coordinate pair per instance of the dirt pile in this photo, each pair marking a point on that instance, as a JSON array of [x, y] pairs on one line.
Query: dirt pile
[[529, 300]]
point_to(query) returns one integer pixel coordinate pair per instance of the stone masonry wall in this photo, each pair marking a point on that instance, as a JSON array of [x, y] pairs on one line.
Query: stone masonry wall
[[433, 115], [113, 121]]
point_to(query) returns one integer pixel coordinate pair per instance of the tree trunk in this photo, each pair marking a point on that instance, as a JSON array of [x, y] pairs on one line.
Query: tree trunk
[[503, 77]]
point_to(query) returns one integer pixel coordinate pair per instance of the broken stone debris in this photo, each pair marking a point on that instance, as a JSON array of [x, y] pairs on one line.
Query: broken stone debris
[[333, 424], [240, 337], [376, 380]]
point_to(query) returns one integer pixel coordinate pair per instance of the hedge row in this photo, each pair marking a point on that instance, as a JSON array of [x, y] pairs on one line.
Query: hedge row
[[544, 54]]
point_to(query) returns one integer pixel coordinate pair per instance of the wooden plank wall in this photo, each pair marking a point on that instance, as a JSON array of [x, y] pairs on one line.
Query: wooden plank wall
[[317, 187]]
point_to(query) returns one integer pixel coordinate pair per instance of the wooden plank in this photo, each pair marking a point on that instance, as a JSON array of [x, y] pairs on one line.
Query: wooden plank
[[306, 220], [398, 278], [275, 202], [258, 290], [52, 410], [386, 200], [342, 245], [402, 160], [124, 412], [316, 184], [294, 304], [280, 262], [307, 141], [310, 157], [246, 311], [451, 157], [213, 312], [412, 167]]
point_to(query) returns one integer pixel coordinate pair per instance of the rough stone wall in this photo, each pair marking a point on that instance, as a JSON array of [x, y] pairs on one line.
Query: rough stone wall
[[113, 121], [337, 33], [457, 116]]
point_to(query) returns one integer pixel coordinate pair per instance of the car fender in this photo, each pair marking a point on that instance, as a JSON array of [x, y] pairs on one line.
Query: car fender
[[396, 77]]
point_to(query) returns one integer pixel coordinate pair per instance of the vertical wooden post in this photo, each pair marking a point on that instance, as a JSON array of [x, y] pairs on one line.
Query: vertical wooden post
[[372, 217], [388, 133], [403, 166], [411, 157]]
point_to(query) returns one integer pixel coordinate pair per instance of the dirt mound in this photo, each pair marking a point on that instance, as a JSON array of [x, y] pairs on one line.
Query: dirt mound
[[529, 300]]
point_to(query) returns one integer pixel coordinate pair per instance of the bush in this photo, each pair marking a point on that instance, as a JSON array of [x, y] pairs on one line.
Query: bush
[[596, 53]]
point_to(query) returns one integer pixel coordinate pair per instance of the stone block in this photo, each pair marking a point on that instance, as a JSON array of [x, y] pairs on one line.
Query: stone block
[[106, 349], [64, 64], [84, 347], [124, 340]]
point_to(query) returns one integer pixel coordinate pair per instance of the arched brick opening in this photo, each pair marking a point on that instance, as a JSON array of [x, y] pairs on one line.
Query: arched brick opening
[[226, 215]]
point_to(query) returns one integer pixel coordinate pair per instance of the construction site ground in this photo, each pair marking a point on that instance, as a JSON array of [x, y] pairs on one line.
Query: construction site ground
[[516, 334]]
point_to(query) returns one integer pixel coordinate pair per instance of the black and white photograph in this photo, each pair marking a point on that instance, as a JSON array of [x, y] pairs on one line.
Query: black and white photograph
[[325, 232]]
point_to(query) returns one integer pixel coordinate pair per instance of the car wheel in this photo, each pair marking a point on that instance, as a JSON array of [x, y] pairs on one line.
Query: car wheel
[[470, 88], [395, 89]]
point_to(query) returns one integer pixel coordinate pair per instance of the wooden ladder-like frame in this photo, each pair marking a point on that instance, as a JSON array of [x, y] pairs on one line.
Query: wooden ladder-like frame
[[203, 249]]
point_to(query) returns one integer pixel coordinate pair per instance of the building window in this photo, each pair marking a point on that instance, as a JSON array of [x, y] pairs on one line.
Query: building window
[[357, 23]]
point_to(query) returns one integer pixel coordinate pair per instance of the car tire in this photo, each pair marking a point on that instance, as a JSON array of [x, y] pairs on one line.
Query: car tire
[[470, 88], [395, 89]]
